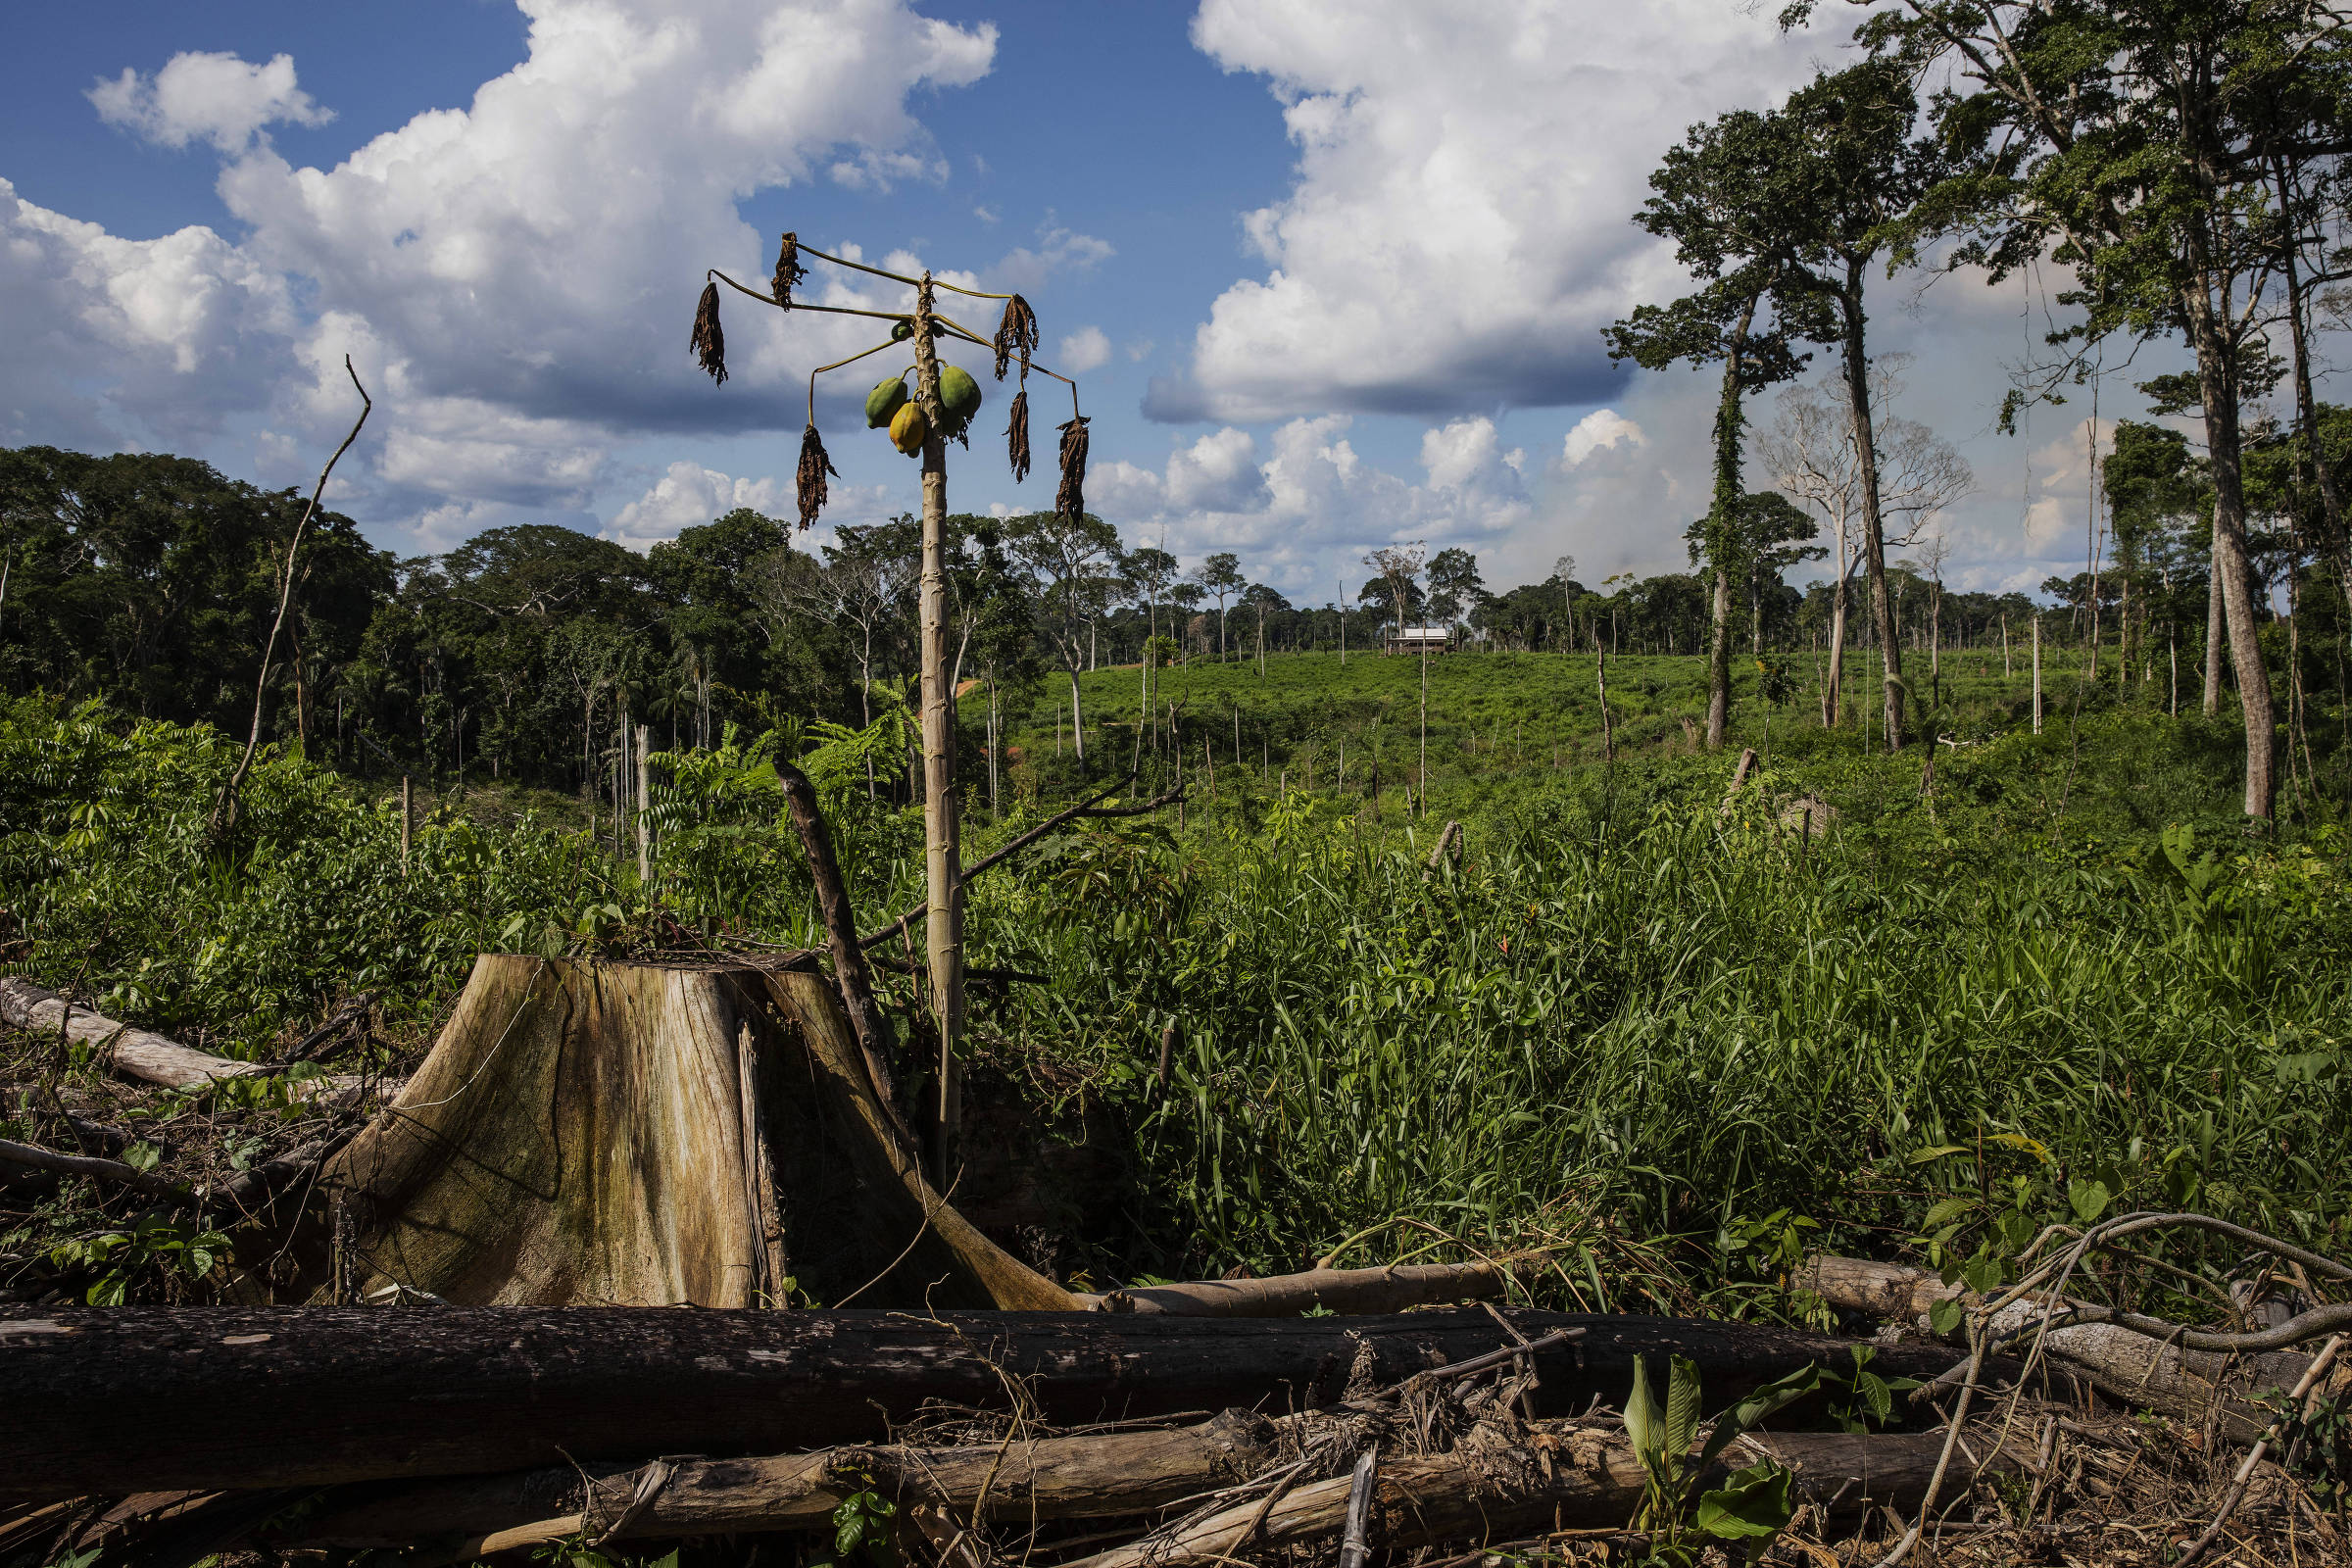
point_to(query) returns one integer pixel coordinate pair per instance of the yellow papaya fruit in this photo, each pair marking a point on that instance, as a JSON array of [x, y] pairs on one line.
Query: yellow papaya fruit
[[883, 403], [908, 429]]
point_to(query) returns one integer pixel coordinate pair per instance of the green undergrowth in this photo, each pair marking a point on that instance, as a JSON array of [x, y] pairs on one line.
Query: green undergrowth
[[1656, 1032], [1683, 1044]]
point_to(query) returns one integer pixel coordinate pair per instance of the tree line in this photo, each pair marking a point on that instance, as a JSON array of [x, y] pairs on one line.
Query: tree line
[[532, 652], [2175, 164]]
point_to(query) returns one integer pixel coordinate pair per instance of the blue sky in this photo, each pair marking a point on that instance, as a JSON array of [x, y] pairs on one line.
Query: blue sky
[[1335, 271]]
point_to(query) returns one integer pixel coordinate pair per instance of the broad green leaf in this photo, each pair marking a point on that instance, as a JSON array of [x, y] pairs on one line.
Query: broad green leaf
[[1682, 1405], [2089, 1199], [1645, 1423], [1750, 1503], [142, 1157], [1872, 1394], [1922, 1156], [1944, 1315], [1949, 1209], [1982, 1274]]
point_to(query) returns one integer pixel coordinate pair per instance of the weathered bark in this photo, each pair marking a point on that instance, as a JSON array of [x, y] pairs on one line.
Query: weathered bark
[[1483, 1492], [1359, 1291], [140, 1054], [102, 1399], [1101, 1476], [629, 1133], [2127, 1366]]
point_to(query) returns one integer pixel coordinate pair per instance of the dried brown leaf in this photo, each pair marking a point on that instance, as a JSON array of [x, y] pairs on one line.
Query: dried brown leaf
[[789, 269], [709, 343], [1069, 502], [1016, 333], [1017, 436], [814, 466]]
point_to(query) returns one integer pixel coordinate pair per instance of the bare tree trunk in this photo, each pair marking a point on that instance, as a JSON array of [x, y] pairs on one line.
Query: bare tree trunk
[[2215, 633], [1600, 678], [2036, 674], [1723, 527], [1873, 532], [941, 861], [2218, 388], [1834, 695], [644, 801]]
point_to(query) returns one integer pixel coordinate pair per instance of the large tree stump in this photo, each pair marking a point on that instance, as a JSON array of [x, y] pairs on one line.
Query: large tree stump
[[591, 1133]]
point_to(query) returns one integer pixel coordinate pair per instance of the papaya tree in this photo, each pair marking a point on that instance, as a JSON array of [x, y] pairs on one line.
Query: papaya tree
[[920, 423]]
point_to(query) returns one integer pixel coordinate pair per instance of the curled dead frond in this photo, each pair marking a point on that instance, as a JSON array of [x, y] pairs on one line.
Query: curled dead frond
[[1069, 502], [814, 466], [789, 269], [709, 343], [1016, 334], [1016, 436]]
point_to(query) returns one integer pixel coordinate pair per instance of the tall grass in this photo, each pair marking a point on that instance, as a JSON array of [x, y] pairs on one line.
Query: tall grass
[[1660, 1019]]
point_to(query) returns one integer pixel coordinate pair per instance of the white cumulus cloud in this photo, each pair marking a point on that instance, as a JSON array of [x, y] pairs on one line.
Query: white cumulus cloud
[[1458, 233], [1087, 349], [1602, 427], [688, 496], [515, 275], [216, 98]]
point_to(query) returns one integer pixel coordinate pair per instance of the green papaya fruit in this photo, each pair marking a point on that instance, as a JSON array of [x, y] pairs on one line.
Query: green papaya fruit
[[885, 399], [958, 395], [902, 330]]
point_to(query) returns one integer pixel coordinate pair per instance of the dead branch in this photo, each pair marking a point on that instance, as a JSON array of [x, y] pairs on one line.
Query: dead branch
[[140, 1054], [34, 1157], [856, 986], [1392, 1288], [224, 806]]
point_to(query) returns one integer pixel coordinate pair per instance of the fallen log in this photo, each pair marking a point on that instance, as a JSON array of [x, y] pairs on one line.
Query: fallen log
[[2131, 1367], [100, 1400], [1485, 1491], [1556, 1474], [1392, 1288], [141, 1054], [1105, 1475]]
